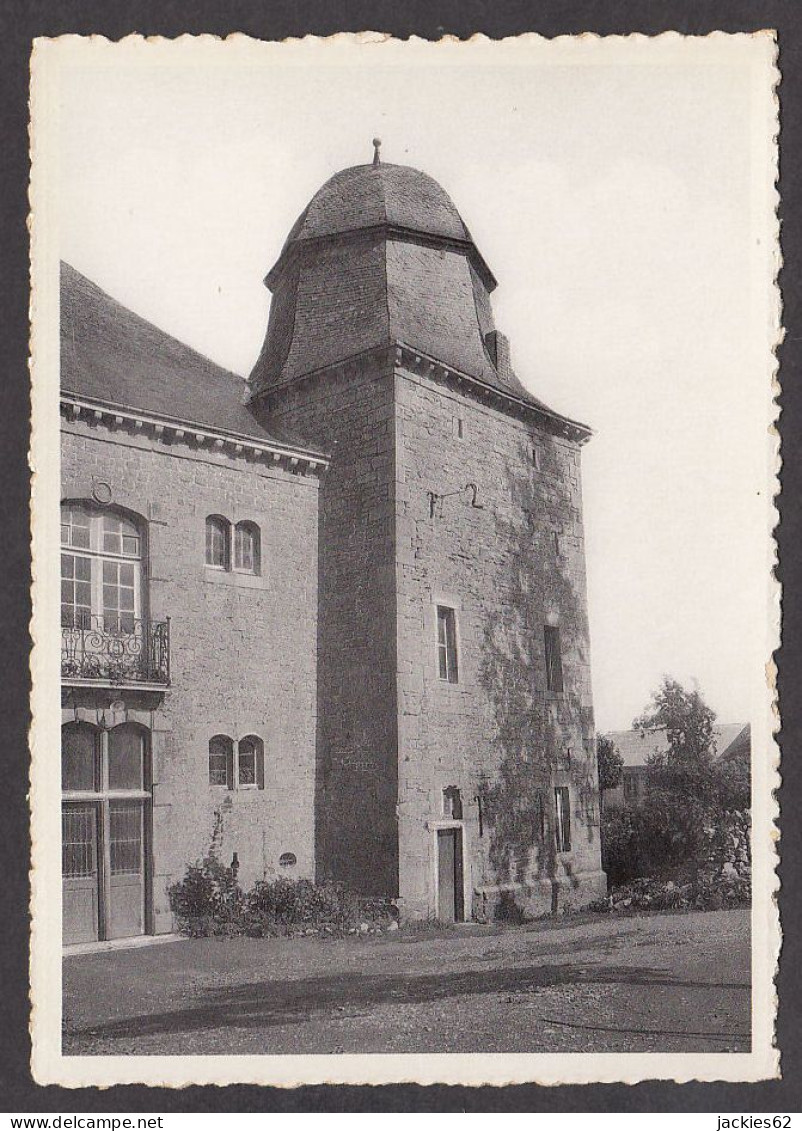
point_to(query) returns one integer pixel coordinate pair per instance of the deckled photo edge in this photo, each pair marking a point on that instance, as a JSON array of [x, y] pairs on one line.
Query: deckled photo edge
[[49, 1066]]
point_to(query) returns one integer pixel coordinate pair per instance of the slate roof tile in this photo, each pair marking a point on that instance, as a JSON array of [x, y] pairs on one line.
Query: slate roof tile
[[113, 356]]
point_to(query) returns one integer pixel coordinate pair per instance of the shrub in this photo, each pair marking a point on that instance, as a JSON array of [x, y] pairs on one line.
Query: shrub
[[706, 868], [209, 901], [273, 905], [621, 847], [665, 838]]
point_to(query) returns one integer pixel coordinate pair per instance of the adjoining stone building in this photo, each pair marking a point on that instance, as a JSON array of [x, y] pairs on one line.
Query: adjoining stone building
[[189, 622], [374, 572]]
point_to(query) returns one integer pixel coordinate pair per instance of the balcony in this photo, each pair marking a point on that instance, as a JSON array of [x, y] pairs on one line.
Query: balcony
[[115, 651]]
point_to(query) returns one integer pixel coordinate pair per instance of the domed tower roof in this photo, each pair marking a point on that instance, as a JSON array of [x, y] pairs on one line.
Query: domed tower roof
[[379, 195], [381, 257]]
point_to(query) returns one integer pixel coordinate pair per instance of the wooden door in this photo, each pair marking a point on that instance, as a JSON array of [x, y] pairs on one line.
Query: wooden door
[[450, 902], [79, 860]]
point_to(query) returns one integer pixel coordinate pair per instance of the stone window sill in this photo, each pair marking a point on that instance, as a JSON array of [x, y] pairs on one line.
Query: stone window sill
[[233, 577]]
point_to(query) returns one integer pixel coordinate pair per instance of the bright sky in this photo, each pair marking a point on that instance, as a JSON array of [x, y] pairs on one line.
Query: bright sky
[[619, 195]]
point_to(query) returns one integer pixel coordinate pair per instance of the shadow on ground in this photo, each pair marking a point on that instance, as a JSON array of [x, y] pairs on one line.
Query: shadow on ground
[[265, 1004]]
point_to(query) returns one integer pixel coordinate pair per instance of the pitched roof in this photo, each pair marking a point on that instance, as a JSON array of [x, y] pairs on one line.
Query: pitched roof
[[739, 747], [112, 356], [636, 746]]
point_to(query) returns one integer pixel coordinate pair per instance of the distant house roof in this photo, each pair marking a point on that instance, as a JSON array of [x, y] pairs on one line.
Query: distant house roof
[[112, 356], [739, 747], [637, 746]]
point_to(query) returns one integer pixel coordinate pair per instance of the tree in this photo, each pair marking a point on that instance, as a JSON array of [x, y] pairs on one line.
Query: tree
[[683, 786], [610, 762], [687, 720], [611, 769]]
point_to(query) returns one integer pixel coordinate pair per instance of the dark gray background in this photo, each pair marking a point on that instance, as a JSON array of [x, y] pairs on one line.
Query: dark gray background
[[20, 23]]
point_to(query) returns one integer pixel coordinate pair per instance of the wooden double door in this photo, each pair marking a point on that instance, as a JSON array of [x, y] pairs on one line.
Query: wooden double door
[[105, 833]]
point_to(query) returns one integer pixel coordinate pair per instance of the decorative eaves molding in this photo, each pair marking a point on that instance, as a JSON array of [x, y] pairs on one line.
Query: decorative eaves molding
[[135, 423], [416, 362]]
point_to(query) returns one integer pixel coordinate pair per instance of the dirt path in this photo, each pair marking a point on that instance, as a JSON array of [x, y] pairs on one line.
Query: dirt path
[[652, 983]]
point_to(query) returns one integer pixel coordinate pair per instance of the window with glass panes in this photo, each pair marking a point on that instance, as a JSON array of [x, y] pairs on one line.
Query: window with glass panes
[[246, 548], [217, 542], [250, 766], [105, 783], [246, 771], [221, 756], [447, 644], [562, 818], [101, 569]]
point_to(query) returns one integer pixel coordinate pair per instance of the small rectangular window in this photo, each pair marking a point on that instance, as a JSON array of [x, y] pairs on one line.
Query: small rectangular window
[[540, 818], [554, 663], [452, 803], [459, 428], [562, 816], [447, 644], [536, 458], [246, 548]]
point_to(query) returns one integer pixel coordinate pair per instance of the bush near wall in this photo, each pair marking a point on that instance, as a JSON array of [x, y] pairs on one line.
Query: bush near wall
[[208, 901], [701, 860]]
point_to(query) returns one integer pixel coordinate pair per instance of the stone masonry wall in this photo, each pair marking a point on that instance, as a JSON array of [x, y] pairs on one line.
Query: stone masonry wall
[[349, 413], [509, 566], [243, 649]]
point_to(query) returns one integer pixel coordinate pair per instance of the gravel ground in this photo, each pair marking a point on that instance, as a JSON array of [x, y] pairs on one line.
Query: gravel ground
[[675, 982]]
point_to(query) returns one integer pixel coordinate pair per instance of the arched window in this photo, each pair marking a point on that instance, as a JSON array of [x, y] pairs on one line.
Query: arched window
[[80, 769], [101, 569], [218, 538], [127, 753], [247, 548], [221, 761], [250, 763]]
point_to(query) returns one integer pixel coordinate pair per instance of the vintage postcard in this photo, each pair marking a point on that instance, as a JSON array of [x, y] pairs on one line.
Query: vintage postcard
[[404, 461]]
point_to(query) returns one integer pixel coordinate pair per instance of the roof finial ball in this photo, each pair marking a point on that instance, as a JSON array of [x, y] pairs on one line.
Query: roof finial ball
[[377, 144]]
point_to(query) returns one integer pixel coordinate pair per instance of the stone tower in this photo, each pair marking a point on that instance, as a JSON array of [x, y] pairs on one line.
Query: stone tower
[[456, 762]]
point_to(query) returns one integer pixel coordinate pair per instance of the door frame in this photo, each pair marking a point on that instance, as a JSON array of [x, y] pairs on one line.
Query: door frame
[[102, 798], [434, 828]]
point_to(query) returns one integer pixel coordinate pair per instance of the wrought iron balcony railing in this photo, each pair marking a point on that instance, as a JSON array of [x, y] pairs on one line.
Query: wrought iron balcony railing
[[115, 649]]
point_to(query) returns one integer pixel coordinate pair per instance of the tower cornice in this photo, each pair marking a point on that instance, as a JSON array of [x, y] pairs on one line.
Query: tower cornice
[[300, 247], [397, 354]]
